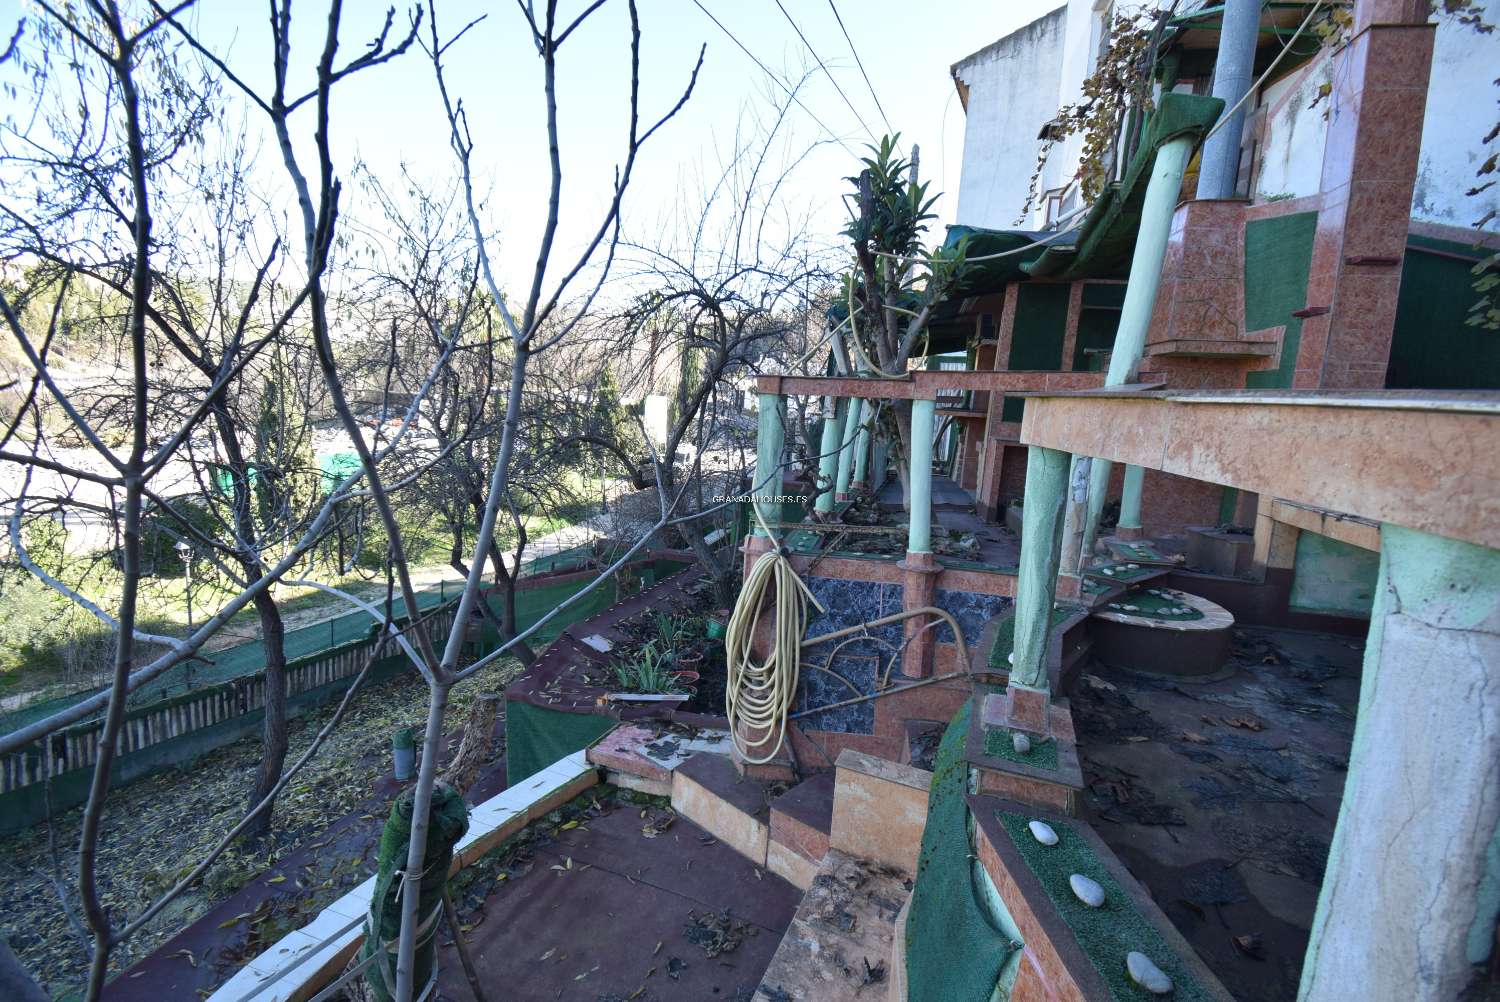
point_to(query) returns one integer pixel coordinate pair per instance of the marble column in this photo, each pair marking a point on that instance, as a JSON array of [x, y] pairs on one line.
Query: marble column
[[828, 455], [1410, 896], [920, 569], [1043, 515]]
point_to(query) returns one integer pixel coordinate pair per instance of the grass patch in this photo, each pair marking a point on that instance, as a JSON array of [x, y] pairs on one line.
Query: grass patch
[[1155, 607], [1043, 754], [1106, 934], [1005, 637]]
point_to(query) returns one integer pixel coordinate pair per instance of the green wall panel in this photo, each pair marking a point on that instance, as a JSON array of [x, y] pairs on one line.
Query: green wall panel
[[1434, 348], [1333, 577], [1278, 254], [1041, 322]]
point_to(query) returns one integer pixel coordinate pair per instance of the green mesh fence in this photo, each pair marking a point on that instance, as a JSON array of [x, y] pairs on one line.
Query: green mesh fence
[[1105, 934], [536, 737], [953, 951]]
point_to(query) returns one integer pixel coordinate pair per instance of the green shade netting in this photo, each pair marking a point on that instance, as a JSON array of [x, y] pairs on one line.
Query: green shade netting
[[536, 737], [1107, 237], [992, 276], [953, 951], [448, 819]]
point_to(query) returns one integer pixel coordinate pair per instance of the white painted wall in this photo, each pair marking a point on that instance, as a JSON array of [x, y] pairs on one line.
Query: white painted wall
[[1461, 99], [1012, 94], [1291, 157]]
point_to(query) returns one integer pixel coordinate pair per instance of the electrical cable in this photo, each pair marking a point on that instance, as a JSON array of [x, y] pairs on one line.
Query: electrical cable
[[861, 64], [779, 82], [824, 67]]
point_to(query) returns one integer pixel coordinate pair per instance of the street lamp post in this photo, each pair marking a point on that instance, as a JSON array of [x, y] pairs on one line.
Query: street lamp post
[[186, 553]]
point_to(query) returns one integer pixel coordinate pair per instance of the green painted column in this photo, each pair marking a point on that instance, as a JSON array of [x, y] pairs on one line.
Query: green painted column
[[1130, 501], [919, 529], [1042, 518], [1411, 891], [846, 445], [862, 445], [1140, 300], [1074, 511], [828, 454], [770, 437]]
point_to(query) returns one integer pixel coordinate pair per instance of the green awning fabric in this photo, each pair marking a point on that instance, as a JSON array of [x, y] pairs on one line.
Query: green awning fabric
[[992, 276], [1107, 236]]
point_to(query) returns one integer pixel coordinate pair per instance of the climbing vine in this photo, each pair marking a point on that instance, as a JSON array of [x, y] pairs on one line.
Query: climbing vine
[[1120, 84]]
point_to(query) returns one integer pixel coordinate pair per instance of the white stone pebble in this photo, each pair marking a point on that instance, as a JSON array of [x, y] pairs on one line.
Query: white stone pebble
[[1020, 742], [1132, 567], [1088, 891], [1128, 608], [1109, 571], [1146, 974], [1043, 833]]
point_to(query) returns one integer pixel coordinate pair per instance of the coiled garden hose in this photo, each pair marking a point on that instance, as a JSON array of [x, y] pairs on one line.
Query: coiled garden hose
[[760, 693]]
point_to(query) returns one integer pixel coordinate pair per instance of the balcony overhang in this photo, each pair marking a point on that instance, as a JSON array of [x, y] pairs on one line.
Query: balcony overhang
[[1425, 460]]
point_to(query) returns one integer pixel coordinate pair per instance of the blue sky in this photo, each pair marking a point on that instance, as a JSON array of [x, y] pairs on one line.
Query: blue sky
[[391, 116]]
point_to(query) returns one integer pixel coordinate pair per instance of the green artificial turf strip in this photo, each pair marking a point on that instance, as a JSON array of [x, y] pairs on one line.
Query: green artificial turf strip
[[1105, 934], [1121, 573], [1005, 635], [1147, 604], [997, 744]]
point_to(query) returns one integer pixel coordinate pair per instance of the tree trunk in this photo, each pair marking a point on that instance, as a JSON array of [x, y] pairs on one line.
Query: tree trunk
[[274, 736], [477, 743]]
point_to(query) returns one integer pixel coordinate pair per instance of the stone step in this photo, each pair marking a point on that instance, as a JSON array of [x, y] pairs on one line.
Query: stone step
[[710, 792], [839, 945], [643, 757], [800, 821]]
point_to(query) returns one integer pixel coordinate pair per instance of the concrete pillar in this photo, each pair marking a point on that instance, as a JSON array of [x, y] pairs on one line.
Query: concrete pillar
[[920, 569], [862, 448], [1370, 163], [770, 437], [1071, 561], [1130, 503], [828, 455], [919, 529], [1409, 900], [1233, 67], [1036, 588], [847, 436], [1140, 299]]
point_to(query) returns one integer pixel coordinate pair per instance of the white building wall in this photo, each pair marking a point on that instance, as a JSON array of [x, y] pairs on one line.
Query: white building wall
[[1290, 160], [1460, 110], [1012, 94]]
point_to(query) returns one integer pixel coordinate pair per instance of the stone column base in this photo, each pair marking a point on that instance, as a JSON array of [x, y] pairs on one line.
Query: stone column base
[[1021, 708], [753, 547], [1069, 586], [1129, 532], [919, 586]]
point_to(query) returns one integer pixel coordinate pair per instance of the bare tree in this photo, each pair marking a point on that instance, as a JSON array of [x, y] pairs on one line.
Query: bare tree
[[726, 289]]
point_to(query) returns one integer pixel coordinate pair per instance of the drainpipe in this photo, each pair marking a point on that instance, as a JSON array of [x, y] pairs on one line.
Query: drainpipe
[[1140, 300], [769, 438], [919, 529], [828, 454], [1219, 169]]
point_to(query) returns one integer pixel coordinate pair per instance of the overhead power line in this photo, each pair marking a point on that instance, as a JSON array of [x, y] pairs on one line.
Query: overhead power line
[[824, 67], [779, 82], [861, 64]]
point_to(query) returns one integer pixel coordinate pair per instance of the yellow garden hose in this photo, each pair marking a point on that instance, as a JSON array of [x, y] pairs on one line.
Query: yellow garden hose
[[760, 693]]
